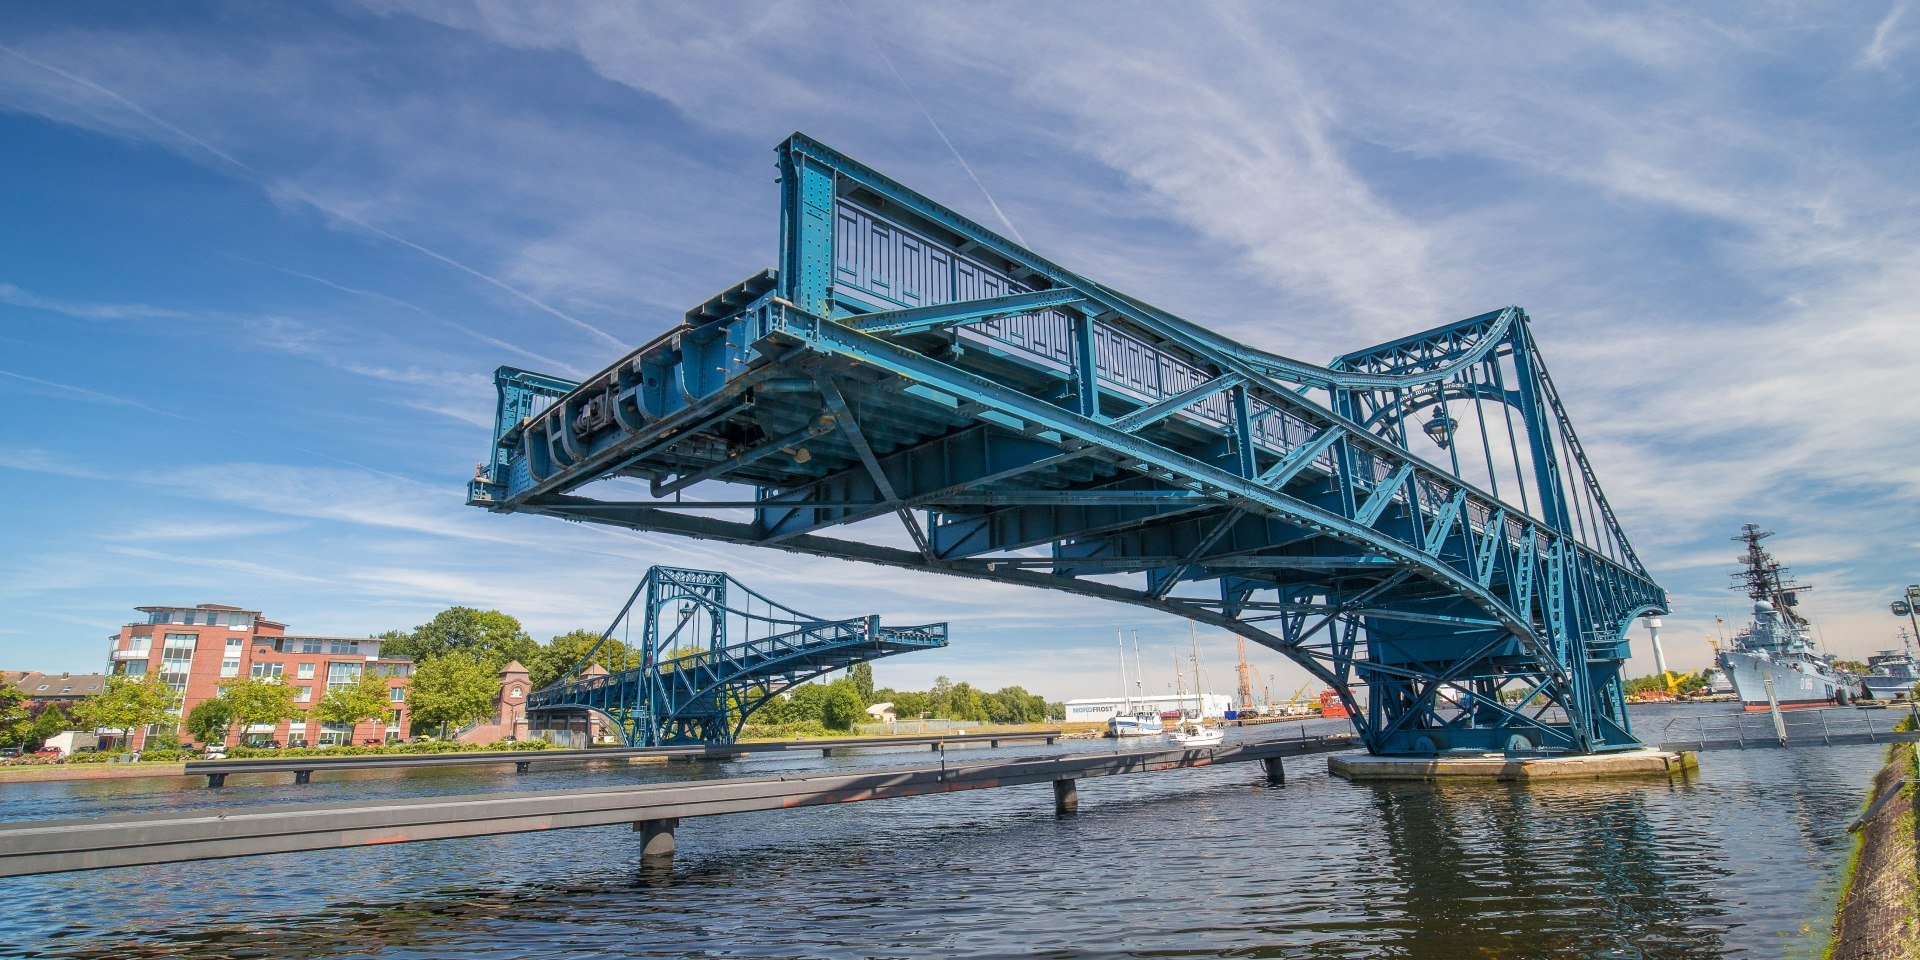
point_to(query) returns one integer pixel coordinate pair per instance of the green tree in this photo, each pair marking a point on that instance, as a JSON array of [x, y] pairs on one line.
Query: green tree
[[364, 699], [34, 731], [553, 659], [209, 720], [128, 704], [452, 690], [489, 635], [1015, 705], [806, 702], [862, 676], [13, 713], [907, 704], [841, 708], [259, 700]]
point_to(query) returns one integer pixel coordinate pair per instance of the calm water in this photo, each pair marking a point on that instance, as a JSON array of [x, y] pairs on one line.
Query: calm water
[[1741, 861]]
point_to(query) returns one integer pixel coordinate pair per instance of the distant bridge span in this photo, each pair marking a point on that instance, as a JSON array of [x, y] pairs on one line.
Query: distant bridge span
[[1416, 520]]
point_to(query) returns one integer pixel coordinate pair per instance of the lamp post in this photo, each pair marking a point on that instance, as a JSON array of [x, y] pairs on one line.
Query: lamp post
[[1907, 606]]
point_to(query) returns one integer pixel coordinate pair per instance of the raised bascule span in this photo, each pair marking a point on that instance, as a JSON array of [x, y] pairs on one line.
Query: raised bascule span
[[1415, 523], [711, 651]]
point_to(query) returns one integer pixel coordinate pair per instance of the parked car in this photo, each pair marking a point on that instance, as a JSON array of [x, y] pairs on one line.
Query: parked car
[[9, 751], [215, 751], [423, 738]]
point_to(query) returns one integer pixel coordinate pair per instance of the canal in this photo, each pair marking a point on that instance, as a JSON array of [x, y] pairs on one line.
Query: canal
[[1743, 860]]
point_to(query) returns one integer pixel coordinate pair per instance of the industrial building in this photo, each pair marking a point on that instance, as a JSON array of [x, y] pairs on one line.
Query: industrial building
[[1102, 709]]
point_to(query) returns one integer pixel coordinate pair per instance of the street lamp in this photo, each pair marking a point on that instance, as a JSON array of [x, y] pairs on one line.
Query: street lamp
[[1906, 608], [1440, 428]]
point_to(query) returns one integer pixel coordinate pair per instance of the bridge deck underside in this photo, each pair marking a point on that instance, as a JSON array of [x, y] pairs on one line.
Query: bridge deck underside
[[995, 496]]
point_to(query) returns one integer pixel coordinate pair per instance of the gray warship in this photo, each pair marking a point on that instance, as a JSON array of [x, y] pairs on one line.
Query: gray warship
[[1776, 645]]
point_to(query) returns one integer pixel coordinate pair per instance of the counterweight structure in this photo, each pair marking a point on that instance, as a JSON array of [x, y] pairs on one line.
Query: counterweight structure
[[1415, 523], [711, 652]]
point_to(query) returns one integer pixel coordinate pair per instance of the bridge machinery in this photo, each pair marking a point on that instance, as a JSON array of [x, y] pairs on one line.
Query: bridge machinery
[[711, 652], [1414, 523]]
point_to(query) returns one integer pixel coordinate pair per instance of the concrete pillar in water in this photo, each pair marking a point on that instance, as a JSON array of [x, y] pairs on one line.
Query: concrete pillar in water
[[656, 839], [1066, 796], [1275, 772]]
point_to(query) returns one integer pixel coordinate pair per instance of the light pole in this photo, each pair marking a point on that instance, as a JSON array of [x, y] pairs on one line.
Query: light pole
[[1913, 600]]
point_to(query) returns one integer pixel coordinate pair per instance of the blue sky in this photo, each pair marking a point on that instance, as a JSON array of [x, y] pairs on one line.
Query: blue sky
[[258, 261]]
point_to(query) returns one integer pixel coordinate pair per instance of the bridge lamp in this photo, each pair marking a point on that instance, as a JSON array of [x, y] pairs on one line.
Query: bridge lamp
[[1440, 428]]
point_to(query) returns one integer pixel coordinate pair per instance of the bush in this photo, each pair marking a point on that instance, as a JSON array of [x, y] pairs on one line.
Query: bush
[[804, 730]]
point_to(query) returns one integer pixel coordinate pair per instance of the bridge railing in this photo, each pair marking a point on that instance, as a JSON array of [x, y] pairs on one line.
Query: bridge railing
[[1824, 725]]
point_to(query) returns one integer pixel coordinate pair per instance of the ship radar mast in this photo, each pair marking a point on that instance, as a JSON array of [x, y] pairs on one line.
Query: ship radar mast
[[1764, 578]]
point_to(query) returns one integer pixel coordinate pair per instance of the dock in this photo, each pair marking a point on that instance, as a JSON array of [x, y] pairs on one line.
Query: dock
[[303, 768], [655, 810]]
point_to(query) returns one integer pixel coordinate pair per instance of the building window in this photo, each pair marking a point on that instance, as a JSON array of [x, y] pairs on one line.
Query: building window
[[140, 644], [268, 670], [397, 694], [305, 695], [342, 675], [230, 667], [334, 734], [515, 694], [235, 643], [342, 646], [176, 659], [132, 668], [306, 671]]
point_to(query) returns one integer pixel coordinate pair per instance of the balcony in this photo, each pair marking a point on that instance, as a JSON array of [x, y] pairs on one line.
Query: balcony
[[130, 654]]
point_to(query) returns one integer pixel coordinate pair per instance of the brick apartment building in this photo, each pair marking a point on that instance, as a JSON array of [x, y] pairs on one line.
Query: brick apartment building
[[195, 648]]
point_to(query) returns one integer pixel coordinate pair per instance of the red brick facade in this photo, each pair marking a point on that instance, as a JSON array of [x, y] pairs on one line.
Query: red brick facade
[[196, 648]]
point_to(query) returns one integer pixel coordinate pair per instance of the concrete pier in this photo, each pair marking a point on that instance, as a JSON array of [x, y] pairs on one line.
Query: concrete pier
[[656, 838], [1501, 767], [1276, 773], [1066, 796]]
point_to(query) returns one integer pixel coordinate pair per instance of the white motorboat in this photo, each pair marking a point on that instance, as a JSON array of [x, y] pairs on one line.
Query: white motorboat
[[1192, 733]]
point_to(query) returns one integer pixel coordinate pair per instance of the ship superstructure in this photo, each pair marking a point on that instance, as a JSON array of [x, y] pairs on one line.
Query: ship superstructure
[[1892, 674], [1774, 658]]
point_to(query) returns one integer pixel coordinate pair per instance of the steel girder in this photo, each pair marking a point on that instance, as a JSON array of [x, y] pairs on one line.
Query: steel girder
[[1030, 426], [704, 665]]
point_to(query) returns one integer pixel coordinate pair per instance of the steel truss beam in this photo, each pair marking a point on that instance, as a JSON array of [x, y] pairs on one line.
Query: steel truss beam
[[704, 665], [1030, 426]]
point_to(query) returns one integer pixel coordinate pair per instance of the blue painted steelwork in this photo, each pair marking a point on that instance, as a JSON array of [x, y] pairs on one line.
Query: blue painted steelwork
[[1460, 581], [711, 652]]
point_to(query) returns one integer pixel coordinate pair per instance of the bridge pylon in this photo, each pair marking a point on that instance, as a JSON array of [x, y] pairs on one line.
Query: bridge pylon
[[1416, 523], [711, 651]]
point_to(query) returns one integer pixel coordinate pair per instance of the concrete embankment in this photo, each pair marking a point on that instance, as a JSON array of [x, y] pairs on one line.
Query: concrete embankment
[[87, 771], [1879, 917]]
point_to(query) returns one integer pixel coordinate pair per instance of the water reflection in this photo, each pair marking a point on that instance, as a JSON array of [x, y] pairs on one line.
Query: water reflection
[[1735, 862]]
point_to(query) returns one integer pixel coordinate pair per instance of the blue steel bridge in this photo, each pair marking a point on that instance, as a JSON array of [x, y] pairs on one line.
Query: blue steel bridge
[[1415, 523], [711, 652]]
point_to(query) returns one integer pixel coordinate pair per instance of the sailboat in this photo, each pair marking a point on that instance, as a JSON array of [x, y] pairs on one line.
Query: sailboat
[[1133, 720]]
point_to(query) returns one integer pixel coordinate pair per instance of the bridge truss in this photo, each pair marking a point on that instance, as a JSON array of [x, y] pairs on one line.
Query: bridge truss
[[711, 652], [1415, 523]]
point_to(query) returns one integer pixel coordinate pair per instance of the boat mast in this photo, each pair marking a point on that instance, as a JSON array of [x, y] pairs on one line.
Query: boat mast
[[1139, 669], [1199, 686], [1120, 642]]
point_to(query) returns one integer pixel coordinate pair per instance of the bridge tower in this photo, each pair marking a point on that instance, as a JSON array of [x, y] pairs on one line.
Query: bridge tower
[[1415, 523]]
